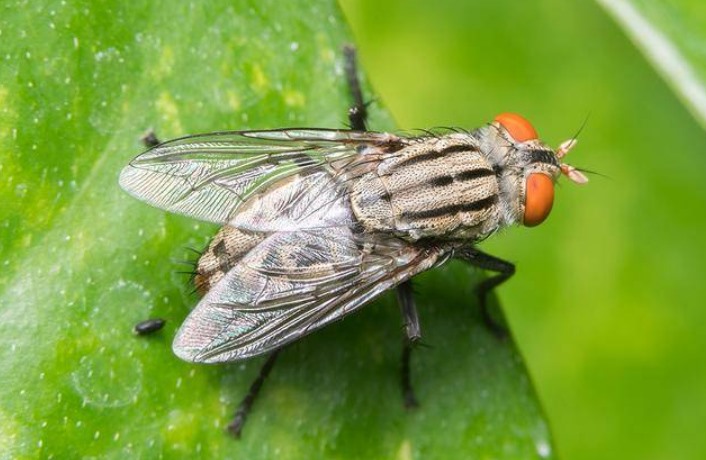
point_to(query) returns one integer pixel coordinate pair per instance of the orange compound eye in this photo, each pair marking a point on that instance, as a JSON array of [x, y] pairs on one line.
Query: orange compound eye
[[539, 197], [519, 128]]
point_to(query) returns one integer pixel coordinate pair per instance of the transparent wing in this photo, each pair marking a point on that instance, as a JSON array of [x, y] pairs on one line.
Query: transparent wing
[[209, 176], [290, 285], [307, 200]]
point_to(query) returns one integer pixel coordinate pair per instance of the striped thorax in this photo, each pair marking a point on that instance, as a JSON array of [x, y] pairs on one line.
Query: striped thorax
[[462, 186]]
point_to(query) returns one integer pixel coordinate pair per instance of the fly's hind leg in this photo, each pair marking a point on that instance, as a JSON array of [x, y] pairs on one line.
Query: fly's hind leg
[[503, 269], [358, 113], [413, 335], [149, 139], [235, 427]]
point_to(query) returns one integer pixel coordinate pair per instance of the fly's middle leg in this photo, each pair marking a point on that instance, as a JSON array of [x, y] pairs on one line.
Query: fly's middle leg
[[412, 337], [358, 117], [358, 113]]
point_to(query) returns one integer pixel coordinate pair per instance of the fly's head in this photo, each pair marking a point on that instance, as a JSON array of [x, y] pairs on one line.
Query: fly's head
[[530, 168]]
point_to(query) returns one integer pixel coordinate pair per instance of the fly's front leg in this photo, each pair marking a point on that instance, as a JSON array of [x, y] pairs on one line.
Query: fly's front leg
[[504, 271], [413, 334], [235, 427], [358, 113]]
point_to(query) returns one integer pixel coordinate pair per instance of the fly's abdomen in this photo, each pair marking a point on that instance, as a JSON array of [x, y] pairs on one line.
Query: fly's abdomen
[[225, 250], [439, 188]]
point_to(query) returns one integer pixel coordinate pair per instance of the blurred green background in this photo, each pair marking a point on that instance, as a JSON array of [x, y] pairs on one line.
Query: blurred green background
[[608, 305]]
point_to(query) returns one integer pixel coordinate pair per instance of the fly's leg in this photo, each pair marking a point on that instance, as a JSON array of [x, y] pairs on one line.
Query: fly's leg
[[357, 117], [235, 427], [148, 326], [413, 334], [149, 139], [504, 270], [358, 113]]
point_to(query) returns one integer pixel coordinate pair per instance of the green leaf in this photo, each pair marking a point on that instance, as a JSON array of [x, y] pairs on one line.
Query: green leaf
[[82, 261]]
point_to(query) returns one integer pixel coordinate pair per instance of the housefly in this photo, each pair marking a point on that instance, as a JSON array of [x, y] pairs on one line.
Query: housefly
[[318, 222]]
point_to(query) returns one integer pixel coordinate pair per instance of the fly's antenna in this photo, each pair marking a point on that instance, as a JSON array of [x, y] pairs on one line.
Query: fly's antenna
[[574, 175]]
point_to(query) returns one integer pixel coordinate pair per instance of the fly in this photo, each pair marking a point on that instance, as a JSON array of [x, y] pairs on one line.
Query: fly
[[318, 222]]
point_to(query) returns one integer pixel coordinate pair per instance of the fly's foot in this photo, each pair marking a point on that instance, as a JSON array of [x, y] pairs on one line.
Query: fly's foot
[[149, 138], [497, 327], [235, 427]]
